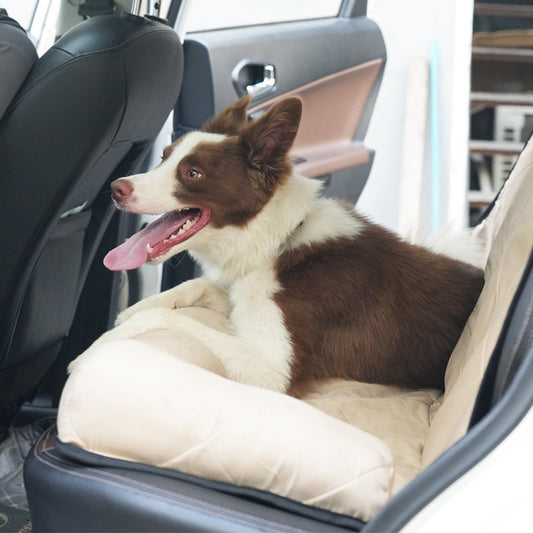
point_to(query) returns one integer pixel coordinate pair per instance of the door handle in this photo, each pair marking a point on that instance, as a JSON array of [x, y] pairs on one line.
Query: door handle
[[255, 79], [266, 85]]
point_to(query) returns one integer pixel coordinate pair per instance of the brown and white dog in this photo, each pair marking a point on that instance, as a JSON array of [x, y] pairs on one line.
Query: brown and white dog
[[313, 289]]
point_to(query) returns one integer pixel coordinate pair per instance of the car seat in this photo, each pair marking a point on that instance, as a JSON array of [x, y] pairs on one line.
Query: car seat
[[149, 441], [87, 113]]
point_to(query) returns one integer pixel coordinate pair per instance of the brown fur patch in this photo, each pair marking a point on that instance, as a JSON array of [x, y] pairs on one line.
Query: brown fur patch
[[229, 188], [231, 120], [374, 308], [240, 174], [268, 140]]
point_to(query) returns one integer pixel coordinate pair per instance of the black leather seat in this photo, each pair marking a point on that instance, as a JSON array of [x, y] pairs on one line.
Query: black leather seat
[[101, 494], [86, 114]]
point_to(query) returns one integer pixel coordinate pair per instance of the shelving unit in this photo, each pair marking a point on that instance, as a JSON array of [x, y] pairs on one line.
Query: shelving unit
[[502, 89], [486, 99], [500, 53], [490, 148]]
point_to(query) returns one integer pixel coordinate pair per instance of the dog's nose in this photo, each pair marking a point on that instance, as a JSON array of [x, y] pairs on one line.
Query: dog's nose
[[121, 189]]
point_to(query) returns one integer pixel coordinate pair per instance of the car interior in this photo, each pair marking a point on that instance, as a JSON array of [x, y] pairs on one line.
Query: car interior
[[141, 438]]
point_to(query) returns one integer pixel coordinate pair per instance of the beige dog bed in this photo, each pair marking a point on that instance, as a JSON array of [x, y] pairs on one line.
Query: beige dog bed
[[162, 399]]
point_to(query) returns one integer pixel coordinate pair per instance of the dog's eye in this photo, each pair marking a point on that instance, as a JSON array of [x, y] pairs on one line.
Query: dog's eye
[[193, 174]]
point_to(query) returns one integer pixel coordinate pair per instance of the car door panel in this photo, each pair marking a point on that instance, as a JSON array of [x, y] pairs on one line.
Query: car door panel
[[335, 65], [332, 109], [302, 52]]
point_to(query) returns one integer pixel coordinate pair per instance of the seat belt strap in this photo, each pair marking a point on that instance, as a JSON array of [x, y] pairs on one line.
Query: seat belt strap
[[92, 8]]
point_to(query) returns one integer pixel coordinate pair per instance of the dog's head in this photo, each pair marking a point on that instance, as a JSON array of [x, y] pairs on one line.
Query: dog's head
[[219, 176]]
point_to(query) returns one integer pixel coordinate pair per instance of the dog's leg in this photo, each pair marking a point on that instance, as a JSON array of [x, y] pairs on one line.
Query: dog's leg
[[244, 360], [195, 292]]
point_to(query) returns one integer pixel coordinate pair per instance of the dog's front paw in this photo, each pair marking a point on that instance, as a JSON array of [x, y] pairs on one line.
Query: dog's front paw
[[159, 300], [180, 296]]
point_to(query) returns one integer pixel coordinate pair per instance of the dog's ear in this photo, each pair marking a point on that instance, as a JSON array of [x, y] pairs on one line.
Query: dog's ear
[[231, 120], [268, 139]]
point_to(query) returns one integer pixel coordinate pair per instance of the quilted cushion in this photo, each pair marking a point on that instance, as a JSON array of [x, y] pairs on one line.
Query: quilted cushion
[[398, 416], [508, 232], [131, 400]]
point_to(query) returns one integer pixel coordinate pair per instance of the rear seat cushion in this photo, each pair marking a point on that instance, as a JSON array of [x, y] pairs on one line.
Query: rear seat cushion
[[131, 400]]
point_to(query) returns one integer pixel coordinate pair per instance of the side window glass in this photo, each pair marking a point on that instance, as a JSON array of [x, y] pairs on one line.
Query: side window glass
[[38, 18], [215, 14]]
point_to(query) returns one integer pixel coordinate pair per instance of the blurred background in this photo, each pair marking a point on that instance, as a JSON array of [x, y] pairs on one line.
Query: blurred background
[[484, 114]]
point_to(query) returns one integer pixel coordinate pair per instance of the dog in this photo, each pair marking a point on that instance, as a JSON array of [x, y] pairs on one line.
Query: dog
[[313, 289]]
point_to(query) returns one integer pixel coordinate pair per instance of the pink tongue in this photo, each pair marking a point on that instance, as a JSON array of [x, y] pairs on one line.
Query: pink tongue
[[133, 253]]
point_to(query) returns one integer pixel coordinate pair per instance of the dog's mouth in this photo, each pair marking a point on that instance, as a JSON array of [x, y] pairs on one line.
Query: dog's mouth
[[153, 242]]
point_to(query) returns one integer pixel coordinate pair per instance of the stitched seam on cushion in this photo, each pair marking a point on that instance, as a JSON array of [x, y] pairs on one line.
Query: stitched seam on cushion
[[357, 480]]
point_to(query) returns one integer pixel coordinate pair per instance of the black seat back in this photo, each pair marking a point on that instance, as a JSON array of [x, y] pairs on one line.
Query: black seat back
[[87, 114]]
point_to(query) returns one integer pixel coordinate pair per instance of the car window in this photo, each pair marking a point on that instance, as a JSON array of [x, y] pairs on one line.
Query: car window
[[38, 18], [214, 14], [22, 12]]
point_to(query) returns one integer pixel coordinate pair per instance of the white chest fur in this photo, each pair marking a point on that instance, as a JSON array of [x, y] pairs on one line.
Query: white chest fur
[[258, 320]]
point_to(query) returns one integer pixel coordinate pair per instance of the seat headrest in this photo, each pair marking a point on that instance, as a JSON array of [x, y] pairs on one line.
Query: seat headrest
[[16, 60]]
